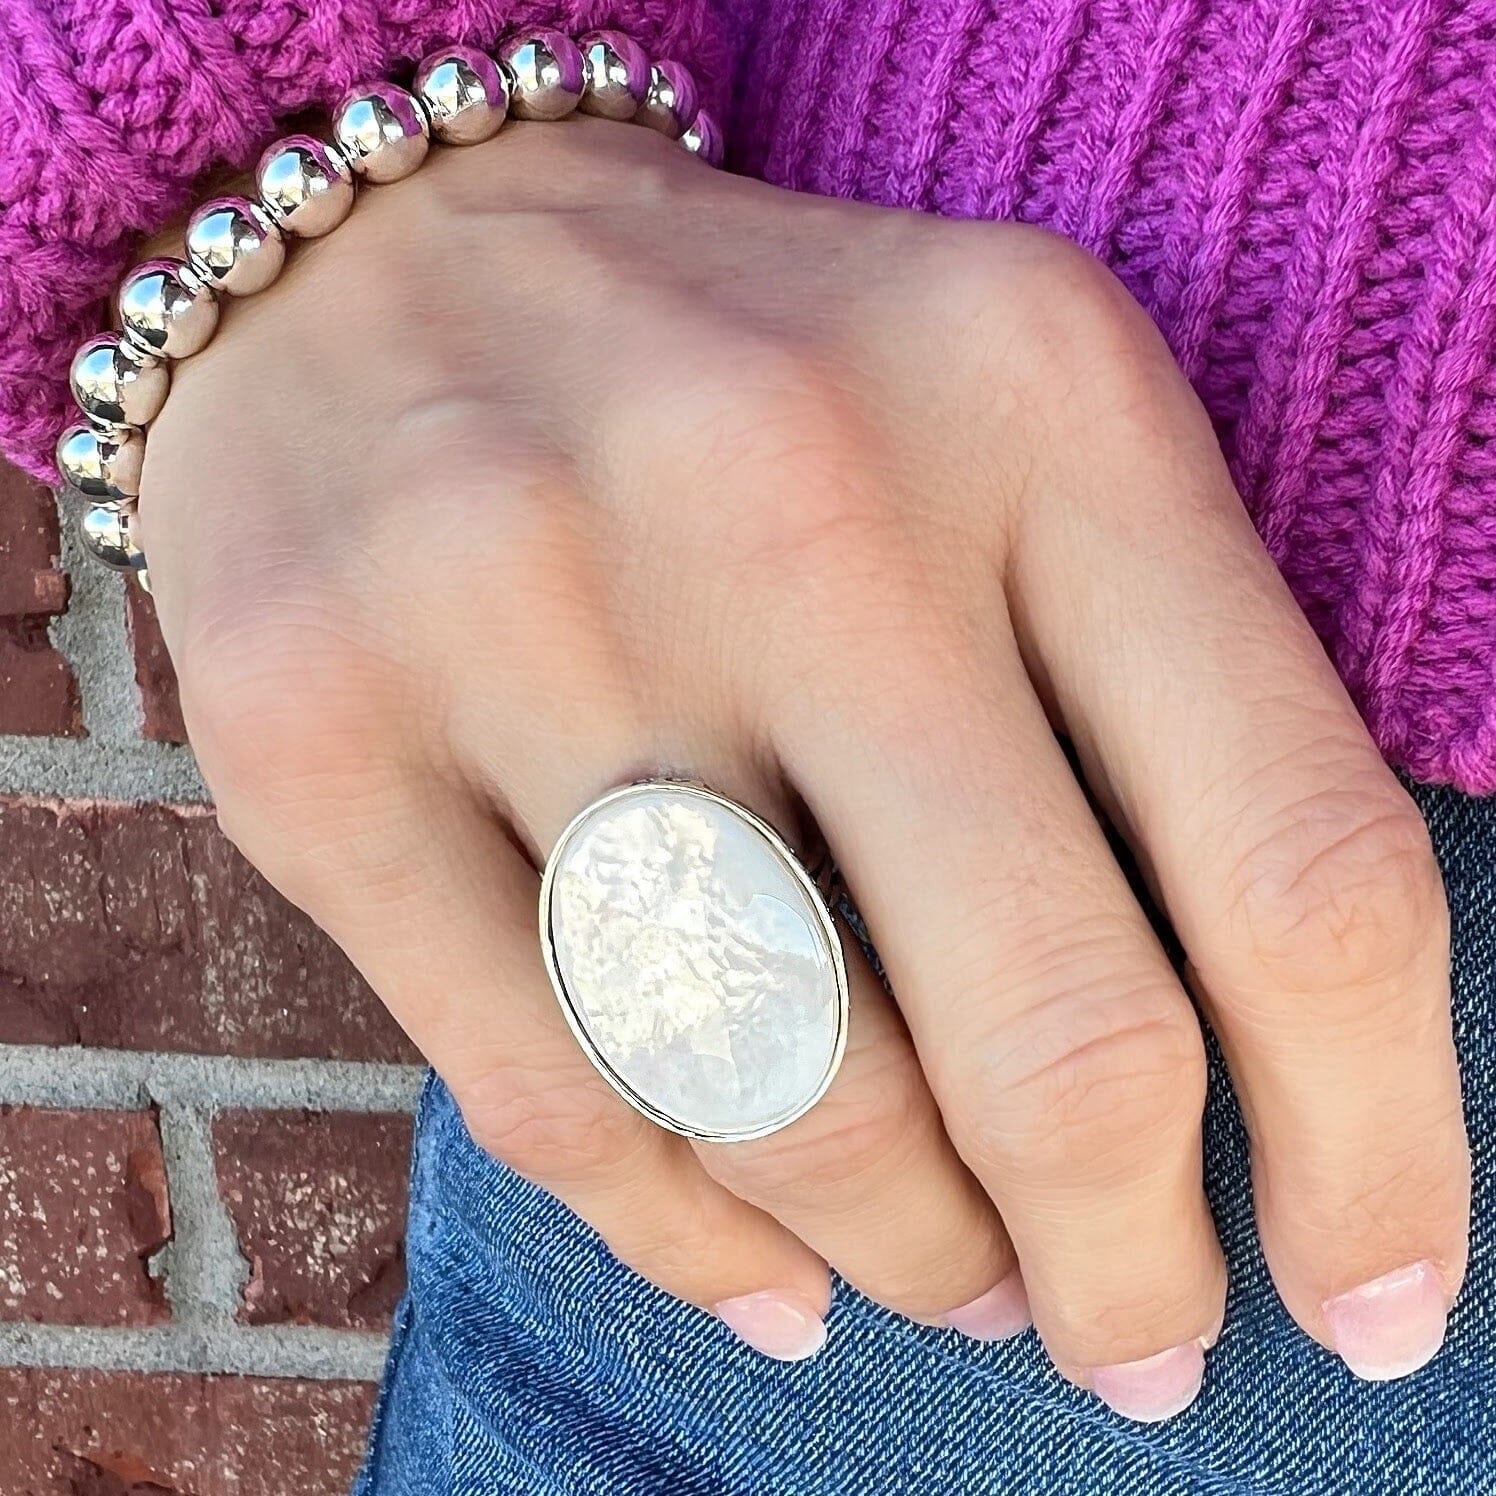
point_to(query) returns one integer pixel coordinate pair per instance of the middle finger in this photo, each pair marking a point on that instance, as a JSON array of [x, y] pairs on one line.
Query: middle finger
[[1065, 1057]]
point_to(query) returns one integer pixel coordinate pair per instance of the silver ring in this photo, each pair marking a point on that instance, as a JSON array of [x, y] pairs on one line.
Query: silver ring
[[696, 960]]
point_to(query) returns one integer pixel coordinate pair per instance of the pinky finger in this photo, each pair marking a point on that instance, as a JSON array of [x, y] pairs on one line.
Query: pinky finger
[[440, 918]]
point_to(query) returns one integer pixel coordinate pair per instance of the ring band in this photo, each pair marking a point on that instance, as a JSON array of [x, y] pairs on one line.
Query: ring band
[[696, 960]]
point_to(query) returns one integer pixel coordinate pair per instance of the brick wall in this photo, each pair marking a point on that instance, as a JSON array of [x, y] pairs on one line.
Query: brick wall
[[204, 1114]]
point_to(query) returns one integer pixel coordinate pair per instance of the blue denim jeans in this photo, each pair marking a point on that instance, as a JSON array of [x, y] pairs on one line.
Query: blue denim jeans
[[527, 1360]]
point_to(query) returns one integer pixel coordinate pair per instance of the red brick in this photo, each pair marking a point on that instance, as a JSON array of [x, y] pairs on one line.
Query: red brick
[[89, 1433], [318, 1200], [140, 927], [153, 671], [38, 692], [83, 1207]]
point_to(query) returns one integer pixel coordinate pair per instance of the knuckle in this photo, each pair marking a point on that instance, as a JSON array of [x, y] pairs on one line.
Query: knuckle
[[1096, 1107], [1040, 306], [480, 506], [1040, 346], [1342, 893], [273, 701], [551, 1128], [1085, 1082], [775, 435], [1087, 330]]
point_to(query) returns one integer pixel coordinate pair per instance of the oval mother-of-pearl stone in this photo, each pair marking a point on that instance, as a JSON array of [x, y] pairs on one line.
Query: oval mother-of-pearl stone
[[698, 965]]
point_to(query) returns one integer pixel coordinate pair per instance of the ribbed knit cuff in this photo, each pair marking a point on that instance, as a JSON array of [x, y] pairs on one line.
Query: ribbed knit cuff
[[112, 112], [1303, 197]]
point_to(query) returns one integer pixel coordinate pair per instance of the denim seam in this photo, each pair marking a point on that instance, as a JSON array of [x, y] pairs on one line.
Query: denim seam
[[404, 1316], [460, 1220], [399, 1339]]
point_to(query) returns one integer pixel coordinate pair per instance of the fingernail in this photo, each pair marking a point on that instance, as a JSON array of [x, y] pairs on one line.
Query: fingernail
[[998, 1314], [779, 1324], [1390, 1326], [1155, 1388]]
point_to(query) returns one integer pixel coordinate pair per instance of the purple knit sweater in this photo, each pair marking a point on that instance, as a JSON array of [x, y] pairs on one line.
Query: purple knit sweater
[[1301, 192]]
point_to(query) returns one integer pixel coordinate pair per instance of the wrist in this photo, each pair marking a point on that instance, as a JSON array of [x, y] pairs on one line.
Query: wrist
[[219, 87], [304, 188]]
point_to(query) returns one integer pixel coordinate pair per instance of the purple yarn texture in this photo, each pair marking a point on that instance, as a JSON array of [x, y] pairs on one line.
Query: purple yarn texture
[[1302, 193]]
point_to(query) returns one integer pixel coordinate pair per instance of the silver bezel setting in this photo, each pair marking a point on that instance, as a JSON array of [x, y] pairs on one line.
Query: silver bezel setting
[[785, 855]]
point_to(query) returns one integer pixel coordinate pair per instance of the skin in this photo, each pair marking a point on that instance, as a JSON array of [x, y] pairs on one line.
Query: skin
[[569, 460]]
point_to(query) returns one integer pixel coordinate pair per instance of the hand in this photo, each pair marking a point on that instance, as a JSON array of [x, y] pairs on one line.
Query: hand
[[570, 459]]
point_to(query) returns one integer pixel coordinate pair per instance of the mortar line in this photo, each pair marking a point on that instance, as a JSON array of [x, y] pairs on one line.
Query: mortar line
[[201, 1265], [113, 762], [94, 638], [80, 769], [300, 1351], [121, 1079]]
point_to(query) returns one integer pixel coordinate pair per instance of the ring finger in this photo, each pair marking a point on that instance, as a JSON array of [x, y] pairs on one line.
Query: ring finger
[[868, 1177], [437, 909]]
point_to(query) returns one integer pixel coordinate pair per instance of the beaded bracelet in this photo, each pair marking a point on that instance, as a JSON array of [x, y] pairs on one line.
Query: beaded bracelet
[[168, 308]]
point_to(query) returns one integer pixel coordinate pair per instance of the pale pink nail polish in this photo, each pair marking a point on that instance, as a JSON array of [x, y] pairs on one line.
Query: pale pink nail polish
[[1390, 1326], [777, 1323], [998, 1314], [1155, 1388]]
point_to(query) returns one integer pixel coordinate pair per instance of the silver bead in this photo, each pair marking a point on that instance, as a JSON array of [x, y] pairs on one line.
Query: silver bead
[[102, 465], [116, 385], [546, 75], [702, 138], [234, 247], [617, 75], [672, 102], [166, 309], [465, 93], [109, 537], [382, 131], [305, 185]]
